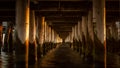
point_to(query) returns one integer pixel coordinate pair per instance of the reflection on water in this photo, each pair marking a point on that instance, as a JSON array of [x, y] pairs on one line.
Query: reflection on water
[[7, 60]]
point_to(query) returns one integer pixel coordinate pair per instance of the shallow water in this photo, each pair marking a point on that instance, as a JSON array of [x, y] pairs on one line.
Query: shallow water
[[61, 57]]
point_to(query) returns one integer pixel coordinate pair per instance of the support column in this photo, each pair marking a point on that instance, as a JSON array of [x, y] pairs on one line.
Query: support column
[[40, 35], [84, 35], [84, 27], [49, 46], [79, 31], [52, 33], [69, 38], [53, 36], [90, 26], [7, 45], [45, 32], [90, 38], [90, 34], [76, 32], [32, 39], [80, 36], [22, 33], [108, 31], [49, 34], [0, 37], [114, 31], [99, 18], [73, 37], [76, 38]]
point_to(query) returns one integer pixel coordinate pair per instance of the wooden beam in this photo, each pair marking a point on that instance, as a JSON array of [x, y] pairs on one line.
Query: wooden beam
[[62, 18]]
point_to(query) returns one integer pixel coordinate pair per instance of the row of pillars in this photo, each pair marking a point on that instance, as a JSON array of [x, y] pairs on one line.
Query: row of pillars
[[89, 35], [112, 30], [32, 37], [113, 37]]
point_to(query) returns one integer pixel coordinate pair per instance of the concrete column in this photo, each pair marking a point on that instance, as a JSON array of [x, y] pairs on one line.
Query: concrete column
[[42, 30], [114, 31], [32, 38], [40, 35], [108, 31], [84, 35], [0, 37], [68, 38], [76, 32], [53, 36], [7, 44], [50, 39], [73, 33], [74, 38], [76, 44], [80, 30], [70, 35], [45, 33], [49, 34], [99, 15], [90, 38], [99, 19], [71, 39], [84, 27], [57, 38], [90, 26], [22, 33], [80, 36], [90, 34]]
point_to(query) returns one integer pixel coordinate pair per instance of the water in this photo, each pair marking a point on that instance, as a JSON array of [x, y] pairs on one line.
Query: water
[[7, 60]]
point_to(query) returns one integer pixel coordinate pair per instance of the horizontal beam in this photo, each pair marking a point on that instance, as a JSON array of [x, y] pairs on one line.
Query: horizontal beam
[[63, 0], [62, 25], [62, 10], [74, 0], [61, 4], [61, 32], [62, 18], [66, 13], [62, 29], [68, 22], [59, 13], [55, 21], [8, 18]]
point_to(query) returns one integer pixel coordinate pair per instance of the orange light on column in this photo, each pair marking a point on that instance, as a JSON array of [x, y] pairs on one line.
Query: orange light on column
[[105, 52], [27, 36]]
